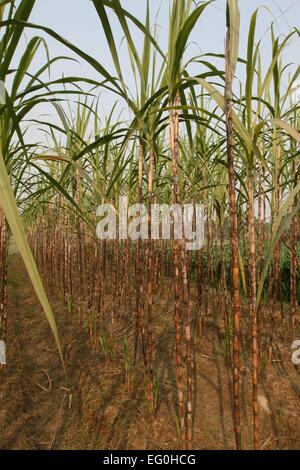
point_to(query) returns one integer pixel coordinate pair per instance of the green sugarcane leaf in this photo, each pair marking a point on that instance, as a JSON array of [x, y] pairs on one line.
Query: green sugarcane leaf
[[280, 226], [288, 129], [234, 24]]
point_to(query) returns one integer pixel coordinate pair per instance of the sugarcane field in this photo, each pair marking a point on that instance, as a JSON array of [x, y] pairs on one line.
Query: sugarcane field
[[149, 227]]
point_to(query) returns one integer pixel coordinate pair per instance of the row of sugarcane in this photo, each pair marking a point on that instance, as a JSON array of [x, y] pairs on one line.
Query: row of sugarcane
[[191, 138]]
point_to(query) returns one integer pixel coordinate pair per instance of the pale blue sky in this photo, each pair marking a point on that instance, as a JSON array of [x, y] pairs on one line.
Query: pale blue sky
[[78, 22]]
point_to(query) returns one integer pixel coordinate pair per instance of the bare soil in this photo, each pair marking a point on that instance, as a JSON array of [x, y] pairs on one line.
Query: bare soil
[[92, 408]]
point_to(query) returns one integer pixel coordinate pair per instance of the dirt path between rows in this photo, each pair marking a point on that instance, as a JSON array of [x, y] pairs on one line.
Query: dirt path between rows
[[93, 409], [38, 402]]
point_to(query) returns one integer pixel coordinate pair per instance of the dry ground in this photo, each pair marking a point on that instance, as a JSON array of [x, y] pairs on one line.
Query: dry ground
[[93, 409]]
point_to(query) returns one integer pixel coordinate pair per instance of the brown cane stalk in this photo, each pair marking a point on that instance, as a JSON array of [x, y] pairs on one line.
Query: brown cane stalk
[[236, 308]]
